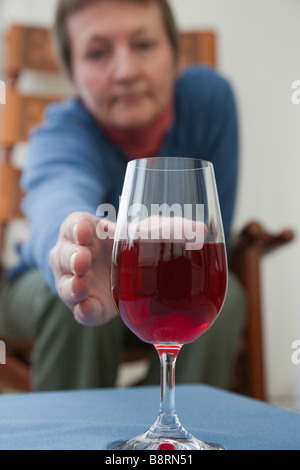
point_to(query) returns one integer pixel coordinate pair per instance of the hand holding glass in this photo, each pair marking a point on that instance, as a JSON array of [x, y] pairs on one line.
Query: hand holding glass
[[169, 273]]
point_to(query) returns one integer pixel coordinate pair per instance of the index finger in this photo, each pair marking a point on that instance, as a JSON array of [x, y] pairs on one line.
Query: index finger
[[79, 228]]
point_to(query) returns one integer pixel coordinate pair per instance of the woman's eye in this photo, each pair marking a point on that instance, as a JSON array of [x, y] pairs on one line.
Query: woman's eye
[[97, 54], [145, 45]]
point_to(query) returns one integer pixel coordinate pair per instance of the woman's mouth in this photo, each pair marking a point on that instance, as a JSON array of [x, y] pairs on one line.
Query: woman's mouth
[[129, 98]]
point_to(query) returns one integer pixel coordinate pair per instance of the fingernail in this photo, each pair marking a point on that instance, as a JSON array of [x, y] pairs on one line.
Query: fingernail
[[72, 263], [78, 314], [75, 233]]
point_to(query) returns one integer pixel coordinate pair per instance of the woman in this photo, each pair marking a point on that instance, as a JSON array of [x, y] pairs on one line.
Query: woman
[[122, 58]]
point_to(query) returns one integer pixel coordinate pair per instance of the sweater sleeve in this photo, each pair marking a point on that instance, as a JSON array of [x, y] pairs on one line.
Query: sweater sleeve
[[63, 174]]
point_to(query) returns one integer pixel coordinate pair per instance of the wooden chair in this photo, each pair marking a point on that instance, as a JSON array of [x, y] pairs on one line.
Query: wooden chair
[[30, 48], [27, 49], [248, 249]]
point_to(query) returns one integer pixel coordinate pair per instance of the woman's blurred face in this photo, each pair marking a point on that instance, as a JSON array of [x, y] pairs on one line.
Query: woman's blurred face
[[123, 65]]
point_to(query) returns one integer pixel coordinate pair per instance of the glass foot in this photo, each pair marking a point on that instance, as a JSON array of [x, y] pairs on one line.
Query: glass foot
[[166, 433], [143, 442], [139, 443]]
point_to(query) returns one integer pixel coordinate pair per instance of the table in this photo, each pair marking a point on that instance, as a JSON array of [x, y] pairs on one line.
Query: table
[[90, 419]]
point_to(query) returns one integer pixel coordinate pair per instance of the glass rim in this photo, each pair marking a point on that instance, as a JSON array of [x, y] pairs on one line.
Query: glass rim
[[140, 163]]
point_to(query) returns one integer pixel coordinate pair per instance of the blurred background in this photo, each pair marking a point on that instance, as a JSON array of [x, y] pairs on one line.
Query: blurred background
[[258, 51]]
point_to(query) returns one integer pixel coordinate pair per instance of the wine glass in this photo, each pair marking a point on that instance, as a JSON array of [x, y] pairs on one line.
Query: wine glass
[[168, 273]]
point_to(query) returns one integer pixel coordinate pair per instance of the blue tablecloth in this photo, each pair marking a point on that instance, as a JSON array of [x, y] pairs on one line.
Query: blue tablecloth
[[90, 419]]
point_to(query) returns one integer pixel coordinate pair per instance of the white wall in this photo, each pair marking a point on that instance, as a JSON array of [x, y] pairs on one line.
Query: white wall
[[258, 50], [27, 11]]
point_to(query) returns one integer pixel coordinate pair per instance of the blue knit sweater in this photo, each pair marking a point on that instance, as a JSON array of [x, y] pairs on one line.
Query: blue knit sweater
[[72, 166]]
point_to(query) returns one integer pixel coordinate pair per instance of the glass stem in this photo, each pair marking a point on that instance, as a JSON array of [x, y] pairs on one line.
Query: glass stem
[[167, 380], [167, 424]]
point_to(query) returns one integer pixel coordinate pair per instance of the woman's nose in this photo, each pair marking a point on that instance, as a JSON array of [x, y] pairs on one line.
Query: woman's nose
[[125, 65]]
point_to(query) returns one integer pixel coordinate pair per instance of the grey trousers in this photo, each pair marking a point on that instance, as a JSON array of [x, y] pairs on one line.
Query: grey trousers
[[68, 355]]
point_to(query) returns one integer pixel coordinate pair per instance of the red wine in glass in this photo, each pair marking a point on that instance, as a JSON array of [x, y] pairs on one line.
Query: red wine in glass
[[168, 294]]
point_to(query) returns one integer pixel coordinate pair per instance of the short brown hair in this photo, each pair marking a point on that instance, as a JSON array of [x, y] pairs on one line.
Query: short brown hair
[[66, 7]]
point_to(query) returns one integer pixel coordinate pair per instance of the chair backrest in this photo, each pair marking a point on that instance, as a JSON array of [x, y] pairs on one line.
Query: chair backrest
[[21, 114], [10, 193], [28, 48], [199, 47]]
